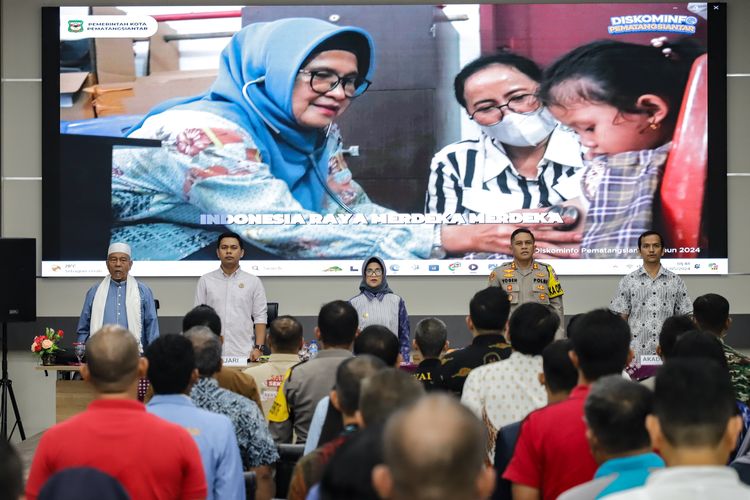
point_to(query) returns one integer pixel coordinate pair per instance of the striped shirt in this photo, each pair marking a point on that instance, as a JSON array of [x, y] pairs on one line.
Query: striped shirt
[[476, 176], [387, 310]]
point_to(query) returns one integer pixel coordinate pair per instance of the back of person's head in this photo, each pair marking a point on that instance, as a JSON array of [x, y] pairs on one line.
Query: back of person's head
[[696, 344], [672, 328], [434, 450], [619, 73], [430, 336], [11, 472], [285, 335], [693, 402], [207, 349], [489, 309], [171, 362], [82, 483], [601, 342], [349, 377], [385, 392], [711, 312], [522, 64], [378, 341], [560, 374], [112, 359], [202, 315], [348, 475], [616, 411], [532, 327], [338, 322]]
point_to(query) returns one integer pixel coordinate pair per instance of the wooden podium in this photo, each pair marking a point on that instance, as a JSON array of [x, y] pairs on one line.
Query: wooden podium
[[71, 396]]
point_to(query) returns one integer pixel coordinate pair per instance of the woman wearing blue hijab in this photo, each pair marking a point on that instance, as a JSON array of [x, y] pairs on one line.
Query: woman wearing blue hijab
[[376, 304], [262, 140]]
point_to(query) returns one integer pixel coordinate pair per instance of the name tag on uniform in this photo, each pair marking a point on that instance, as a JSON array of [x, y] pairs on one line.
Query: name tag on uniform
[[650, 360], [233, 361]]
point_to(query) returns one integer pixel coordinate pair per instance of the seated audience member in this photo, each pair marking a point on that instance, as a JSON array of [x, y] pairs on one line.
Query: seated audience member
[[444, 460], [172, 372], [695, 344], [82, 483], [327, 423], [552, 454], [616, 411], [345, 398], [487, 321], [285, 340], [257, 448], [150, 457], [306, 383], [694, 427], [11, 472], [229, 379], [505, 392], [348, 474], [430, 340], [374, 340], [711, 314], [559, 376], [671, 330]]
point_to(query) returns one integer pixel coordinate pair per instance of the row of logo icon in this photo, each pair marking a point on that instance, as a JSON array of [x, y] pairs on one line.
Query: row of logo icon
[[453, 266], [407, 268]]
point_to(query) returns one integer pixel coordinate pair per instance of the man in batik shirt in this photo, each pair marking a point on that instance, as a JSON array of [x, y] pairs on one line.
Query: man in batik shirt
[[648, 296]]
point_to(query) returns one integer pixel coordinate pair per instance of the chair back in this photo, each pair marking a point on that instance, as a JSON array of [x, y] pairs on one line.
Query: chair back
[[272, 311], [289, 455]]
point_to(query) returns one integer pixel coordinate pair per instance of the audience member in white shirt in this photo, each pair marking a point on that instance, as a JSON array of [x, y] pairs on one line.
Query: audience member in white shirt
[[505, 392]]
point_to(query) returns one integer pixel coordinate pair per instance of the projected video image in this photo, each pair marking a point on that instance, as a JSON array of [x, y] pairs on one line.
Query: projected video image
[[422, 134]]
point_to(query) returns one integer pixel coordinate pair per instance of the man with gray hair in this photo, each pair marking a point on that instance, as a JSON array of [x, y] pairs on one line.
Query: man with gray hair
[[257, 448], [120, 300], [150, 457], [443, 460]]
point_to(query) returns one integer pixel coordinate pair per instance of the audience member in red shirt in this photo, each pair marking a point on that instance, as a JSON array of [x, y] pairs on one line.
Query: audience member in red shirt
[[552, 454], [150, 457]]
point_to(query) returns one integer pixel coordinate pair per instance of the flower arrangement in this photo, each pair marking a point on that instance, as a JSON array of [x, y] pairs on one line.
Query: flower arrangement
[[47, 344]]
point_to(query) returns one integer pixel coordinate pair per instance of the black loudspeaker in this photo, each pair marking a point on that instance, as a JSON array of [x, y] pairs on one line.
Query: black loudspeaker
[[17, 279]]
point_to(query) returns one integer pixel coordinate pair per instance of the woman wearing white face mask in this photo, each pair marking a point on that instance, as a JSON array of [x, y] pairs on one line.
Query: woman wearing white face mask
[[522, 160]]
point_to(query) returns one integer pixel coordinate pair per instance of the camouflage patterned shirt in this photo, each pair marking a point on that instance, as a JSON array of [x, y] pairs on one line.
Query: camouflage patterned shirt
[[739, 370]]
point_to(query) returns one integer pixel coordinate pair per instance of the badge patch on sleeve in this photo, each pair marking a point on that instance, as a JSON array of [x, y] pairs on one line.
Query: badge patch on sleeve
[[279, 412], [555, 289]]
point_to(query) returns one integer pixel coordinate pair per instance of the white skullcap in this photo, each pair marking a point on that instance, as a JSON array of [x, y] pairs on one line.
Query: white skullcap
[[119, 248]]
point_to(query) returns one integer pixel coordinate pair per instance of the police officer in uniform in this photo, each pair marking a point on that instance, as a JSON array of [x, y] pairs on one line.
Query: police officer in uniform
[[526, 280]]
